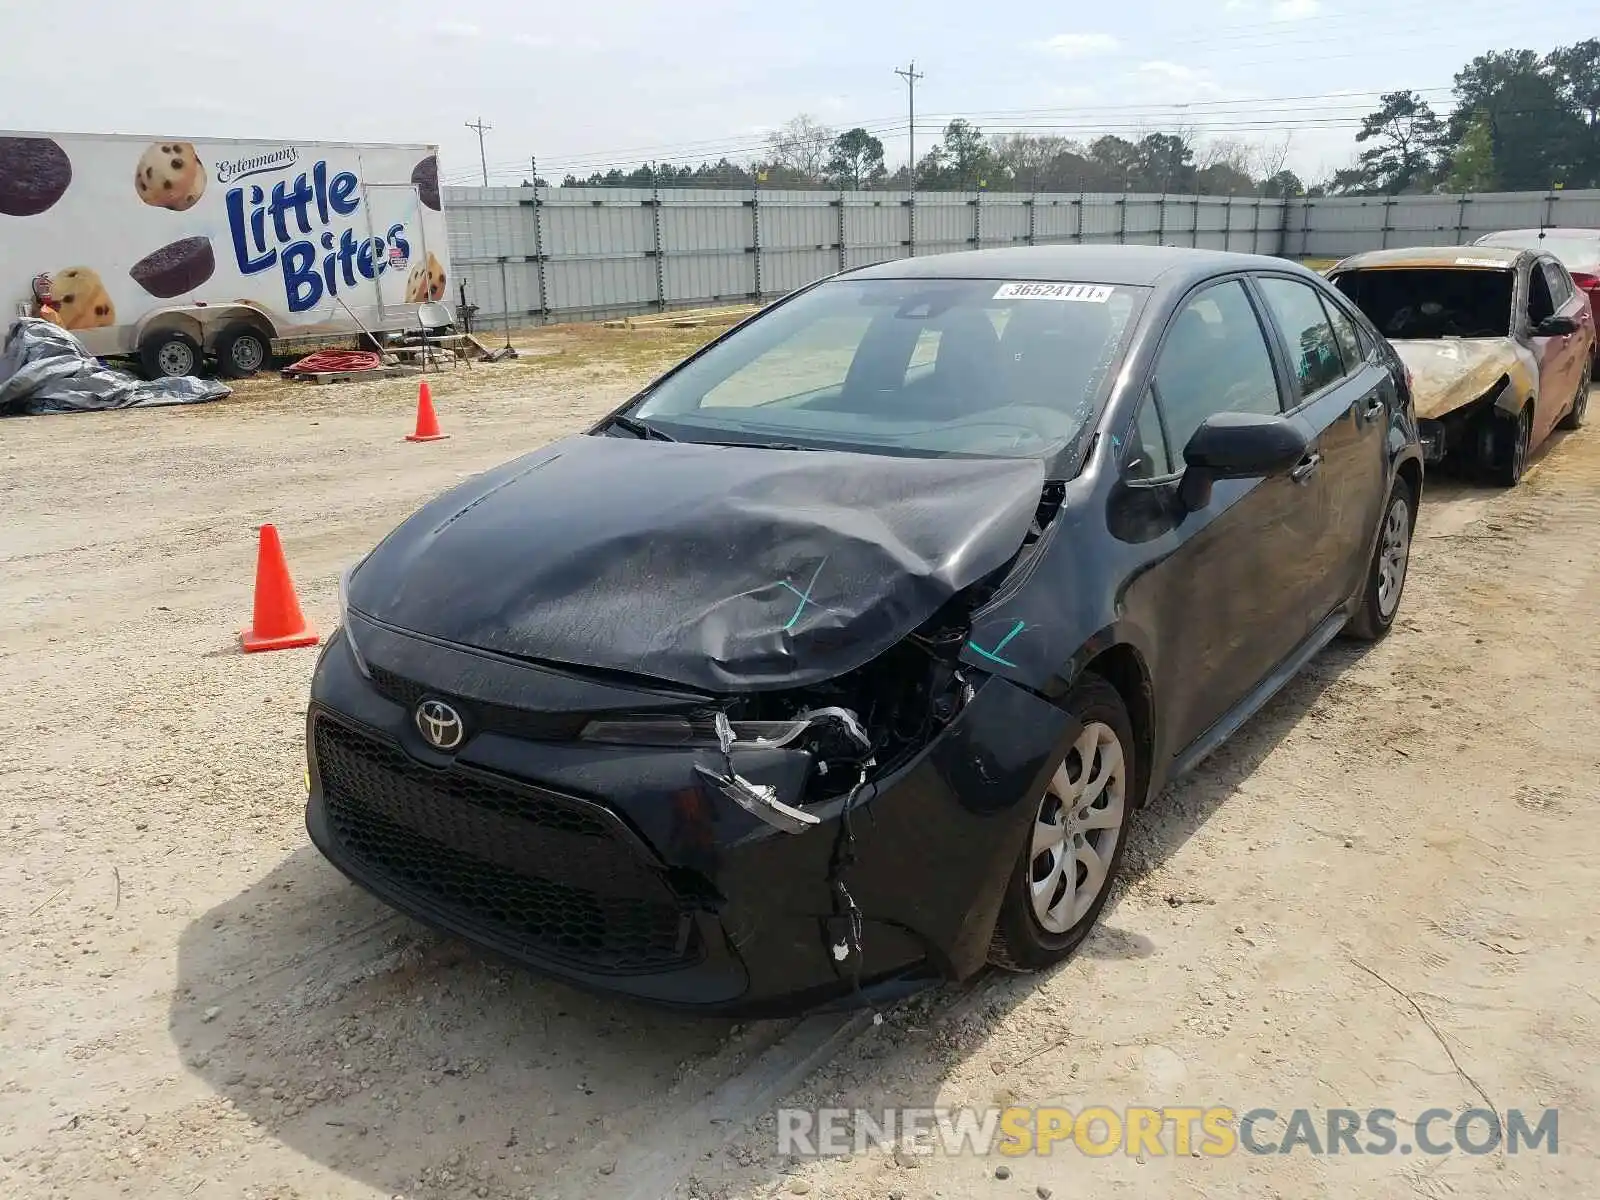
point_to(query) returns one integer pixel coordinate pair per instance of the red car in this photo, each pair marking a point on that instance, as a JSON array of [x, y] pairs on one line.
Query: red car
[[1578, 250]]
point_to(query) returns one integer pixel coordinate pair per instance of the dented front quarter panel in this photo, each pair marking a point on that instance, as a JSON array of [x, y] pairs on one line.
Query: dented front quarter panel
[[936, 844], [1449, 373]]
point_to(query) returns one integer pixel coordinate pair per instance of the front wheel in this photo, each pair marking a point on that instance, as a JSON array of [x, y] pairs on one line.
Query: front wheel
[[1386, 579], [1512, 436], [1075, 842], [1580, 404]]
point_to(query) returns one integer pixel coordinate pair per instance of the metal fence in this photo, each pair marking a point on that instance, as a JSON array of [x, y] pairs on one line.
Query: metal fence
[[1334, 226], [576, 254]]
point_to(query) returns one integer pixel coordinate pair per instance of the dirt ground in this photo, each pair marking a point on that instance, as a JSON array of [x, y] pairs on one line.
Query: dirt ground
[[196, 1004]]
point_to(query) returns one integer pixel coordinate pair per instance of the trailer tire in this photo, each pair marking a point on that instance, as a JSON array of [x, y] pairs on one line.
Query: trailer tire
[[169, 354], [242, 350]]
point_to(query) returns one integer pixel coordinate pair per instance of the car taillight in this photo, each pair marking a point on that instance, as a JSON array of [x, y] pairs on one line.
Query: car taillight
[[1587, 282]]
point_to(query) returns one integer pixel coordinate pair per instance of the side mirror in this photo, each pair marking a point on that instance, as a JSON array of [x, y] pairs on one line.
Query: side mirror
[[1555, 327], [1236, 445]]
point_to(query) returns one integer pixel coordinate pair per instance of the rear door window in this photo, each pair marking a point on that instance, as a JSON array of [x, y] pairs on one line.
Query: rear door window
[[1312, 347], [1344, 332]]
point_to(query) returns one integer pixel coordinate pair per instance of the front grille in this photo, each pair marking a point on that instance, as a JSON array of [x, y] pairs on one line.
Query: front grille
[[521, 866], [494, 718]]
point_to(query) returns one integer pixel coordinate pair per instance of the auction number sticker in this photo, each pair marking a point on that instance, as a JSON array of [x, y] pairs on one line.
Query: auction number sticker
[[1082, 293]]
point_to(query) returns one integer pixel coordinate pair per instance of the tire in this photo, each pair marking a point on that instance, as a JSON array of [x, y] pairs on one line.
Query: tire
[[1511, 438], [1580, 404], [242, 350], [1022, 941], [1386, 575], [169, 355]]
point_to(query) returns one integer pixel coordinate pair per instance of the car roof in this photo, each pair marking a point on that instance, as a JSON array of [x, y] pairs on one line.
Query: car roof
[[1549, 231], [1479, 257], [1134, 266]]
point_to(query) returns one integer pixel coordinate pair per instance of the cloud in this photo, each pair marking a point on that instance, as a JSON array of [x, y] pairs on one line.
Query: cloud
[[533, 41], [1079, 45], [457, 29], [1186, 83], [1276, 10], [1176, 72]]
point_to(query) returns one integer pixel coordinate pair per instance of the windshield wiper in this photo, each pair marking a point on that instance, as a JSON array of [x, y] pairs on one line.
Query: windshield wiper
[[640, 430]]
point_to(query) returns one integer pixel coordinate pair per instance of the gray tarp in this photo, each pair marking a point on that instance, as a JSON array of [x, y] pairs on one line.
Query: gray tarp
[[43, 369]]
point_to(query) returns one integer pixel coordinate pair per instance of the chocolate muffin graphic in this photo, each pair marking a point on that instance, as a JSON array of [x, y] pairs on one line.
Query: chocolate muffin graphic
[[81, 299], [170, 175], [34, 174], [425, 177], [176, 268]]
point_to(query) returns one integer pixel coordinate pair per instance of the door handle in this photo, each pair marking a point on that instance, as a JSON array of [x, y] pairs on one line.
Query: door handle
[[1306, 467], [1374, 408]]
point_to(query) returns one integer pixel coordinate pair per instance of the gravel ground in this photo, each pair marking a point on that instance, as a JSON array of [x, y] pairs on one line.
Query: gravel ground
[[195, 1004]]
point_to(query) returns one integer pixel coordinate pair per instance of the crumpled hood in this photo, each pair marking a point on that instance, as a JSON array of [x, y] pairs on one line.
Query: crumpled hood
[[713, 567], [1448, 373]]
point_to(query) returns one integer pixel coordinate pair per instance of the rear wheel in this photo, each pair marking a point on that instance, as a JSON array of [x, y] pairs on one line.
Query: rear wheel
[[241, 351], [1580, 403], [1076, 840], [169, 355], [1386, 580]]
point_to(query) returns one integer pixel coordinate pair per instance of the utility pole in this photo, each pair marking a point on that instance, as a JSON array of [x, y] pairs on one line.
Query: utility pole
[[483, 160], [911, 75]]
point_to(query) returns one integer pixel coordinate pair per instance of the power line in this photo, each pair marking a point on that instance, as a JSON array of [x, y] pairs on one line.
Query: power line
[[1151, 111]]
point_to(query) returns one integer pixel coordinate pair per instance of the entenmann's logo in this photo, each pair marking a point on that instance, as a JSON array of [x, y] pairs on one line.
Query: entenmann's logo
[[230, 169]]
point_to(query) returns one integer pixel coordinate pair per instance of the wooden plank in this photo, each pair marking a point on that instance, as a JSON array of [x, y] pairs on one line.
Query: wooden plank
[[346, 376]]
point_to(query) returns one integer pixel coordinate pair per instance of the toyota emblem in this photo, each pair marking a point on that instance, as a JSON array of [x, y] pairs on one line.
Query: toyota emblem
[[440, 725]]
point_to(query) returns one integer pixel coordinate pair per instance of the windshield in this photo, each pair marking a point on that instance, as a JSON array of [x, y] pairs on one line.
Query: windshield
[[1577, 253], [922, 366], [1432, 302]]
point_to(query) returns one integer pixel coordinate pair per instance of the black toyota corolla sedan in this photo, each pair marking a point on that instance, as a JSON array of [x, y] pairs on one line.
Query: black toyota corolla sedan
[[837, 660]]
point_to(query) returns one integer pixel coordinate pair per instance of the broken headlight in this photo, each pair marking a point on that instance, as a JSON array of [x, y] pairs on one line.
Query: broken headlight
[[719, 732]]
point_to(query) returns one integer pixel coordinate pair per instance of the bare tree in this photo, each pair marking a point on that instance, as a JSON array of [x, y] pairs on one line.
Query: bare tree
[[1233, 153], [803, 145], [1270, 158]]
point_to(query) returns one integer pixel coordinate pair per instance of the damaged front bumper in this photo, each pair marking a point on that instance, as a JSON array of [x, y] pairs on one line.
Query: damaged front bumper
[[708, 876]]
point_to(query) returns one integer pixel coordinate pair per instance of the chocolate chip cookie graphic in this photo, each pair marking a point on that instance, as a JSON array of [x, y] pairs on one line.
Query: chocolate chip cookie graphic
[[425, 178], [82, 299], [34, 172], [170, 175], [426, 281], [176, 268]]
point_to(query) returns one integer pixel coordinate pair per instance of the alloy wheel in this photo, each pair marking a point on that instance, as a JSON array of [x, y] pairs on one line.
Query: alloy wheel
[[1519, 447], [1394, 555], [1076, 830]]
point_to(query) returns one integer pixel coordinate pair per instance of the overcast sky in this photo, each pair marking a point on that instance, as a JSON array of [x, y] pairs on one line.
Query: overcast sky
[[601, 84]]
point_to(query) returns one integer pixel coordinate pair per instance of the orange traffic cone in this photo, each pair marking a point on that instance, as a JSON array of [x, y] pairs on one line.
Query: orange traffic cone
[[427, 422], [278, 623]]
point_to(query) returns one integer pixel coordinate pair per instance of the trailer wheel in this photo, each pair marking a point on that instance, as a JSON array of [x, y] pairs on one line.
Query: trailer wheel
[[241, 351], [169, 354]]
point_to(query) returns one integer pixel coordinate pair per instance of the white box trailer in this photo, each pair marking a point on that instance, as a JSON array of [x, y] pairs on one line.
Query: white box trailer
[[175, 251]]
